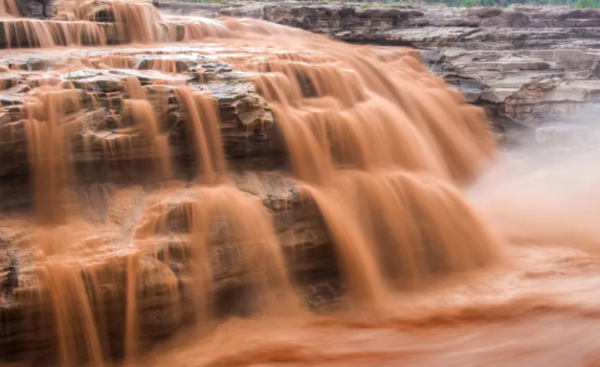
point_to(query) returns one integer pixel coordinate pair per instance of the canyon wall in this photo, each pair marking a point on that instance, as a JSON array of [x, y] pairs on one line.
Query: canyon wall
[[150, 179], [85, 116], [534, 69]]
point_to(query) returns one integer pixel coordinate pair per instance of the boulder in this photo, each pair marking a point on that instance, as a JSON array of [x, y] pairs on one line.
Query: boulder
[[40, 9]]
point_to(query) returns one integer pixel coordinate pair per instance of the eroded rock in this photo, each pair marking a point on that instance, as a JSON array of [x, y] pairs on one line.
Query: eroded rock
[[524, 64]]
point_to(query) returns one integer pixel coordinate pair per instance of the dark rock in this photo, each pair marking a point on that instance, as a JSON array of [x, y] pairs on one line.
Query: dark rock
[[35, 8]]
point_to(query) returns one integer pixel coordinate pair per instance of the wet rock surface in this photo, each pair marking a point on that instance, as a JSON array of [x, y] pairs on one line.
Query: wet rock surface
[[40, 9], [525, 65], [114, 181], [164, 289], [112, 157], [246, 119], [528, 66], [530, 88]]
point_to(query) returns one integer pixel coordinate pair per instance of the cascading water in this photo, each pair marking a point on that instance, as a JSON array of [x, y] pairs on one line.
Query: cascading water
[[8, 8], [48, 147], [143, 114], [145, 217]]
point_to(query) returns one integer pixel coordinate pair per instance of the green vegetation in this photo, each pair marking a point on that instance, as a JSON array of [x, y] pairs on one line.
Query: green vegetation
[[587, 4], [466, 3], [198, 1], [364, 4], [506, 3]]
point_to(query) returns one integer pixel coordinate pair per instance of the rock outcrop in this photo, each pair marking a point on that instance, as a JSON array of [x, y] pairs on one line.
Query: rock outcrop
[[35, 8], [528, 66], [532, 88], [112, 155], [440, 27], [28, 326], [112, 158]]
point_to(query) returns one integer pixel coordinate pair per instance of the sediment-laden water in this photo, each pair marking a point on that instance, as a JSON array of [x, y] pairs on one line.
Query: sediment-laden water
[[138, 228]]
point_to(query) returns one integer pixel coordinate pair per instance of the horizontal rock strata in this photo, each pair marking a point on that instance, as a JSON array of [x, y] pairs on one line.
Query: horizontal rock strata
[[530, 67], [27, 323], [245, 117], [111, 154], [112, 162]]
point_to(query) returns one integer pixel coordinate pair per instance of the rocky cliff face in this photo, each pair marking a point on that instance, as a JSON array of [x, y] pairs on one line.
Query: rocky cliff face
[[530, 67], [35, 8], [111, 155], [465, 28], [527, 66], [114, 180]]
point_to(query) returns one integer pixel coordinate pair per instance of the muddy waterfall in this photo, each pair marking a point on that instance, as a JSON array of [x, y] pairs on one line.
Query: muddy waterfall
[[194, 192]]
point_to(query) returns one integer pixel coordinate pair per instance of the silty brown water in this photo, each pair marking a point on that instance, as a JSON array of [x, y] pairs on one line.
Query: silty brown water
[[382, 148]]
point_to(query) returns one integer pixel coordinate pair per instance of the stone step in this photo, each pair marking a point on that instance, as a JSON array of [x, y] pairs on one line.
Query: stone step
[[164, 286]]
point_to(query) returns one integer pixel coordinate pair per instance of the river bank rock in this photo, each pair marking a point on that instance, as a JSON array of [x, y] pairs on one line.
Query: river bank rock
[[524, 64], [527, 65], [112, 160], [164, 285]]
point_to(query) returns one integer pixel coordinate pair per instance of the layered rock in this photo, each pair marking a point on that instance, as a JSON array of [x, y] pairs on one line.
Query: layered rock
[[465, 28], [112, 162], [164, 287], [246, 119], [530, 87], [111, 155], [528, 66]]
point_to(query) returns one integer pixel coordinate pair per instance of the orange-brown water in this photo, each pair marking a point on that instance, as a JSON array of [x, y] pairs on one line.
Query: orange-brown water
[[437, 266], [8, 8]]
